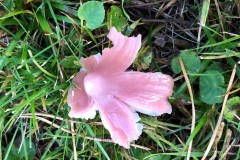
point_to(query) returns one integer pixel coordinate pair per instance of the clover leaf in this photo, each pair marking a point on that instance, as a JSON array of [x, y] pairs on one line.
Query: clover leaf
[[93, 13], [116, 18], [211, 90], [191, 62]]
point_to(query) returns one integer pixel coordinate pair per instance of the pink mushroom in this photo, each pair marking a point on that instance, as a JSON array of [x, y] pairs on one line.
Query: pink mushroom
[[104, 85]]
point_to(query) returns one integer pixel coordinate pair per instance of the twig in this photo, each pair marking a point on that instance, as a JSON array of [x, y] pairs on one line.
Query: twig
[[227, 150], [169, 4], [220, 16], [192, 101], [74, 134], [220, 56], [236, 90], [48, 122], [73, 141], [60, 118]]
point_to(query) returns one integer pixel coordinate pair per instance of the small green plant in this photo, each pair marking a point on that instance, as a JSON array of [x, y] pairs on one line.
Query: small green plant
[[232, 109], [116, 18], [211, 87], [191, 61], [93, 13]]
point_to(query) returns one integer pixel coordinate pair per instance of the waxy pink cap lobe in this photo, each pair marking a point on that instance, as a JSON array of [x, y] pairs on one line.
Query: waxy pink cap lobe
[[104, 85]]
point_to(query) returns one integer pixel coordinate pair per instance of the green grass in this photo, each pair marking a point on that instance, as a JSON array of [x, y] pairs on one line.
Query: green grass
[[41, 43]]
